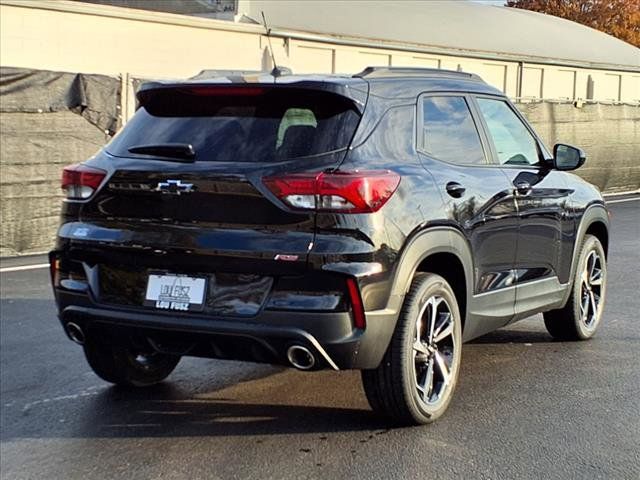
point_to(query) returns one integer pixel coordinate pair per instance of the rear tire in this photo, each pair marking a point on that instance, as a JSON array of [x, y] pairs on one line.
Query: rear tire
[[581, 315], [416, 379], [127, 367]]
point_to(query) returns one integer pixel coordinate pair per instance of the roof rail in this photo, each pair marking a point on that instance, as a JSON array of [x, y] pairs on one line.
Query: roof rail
[[373, 72]]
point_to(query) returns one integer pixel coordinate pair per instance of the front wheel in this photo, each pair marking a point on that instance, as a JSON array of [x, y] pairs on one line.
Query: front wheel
[[128, 366], [580, 317], [414, 383]]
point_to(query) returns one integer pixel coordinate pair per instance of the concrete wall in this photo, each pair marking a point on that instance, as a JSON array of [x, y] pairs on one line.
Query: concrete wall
[[80, 37], [35, 146], [609, 134]]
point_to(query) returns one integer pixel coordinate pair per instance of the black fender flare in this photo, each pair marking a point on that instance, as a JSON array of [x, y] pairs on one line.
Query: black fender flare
[[596, 212], [382, 323], [426, 243]]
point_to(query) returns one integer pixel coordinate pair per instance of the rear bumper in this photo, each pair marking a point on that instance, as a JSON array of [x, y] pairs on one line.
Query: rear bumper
[[265, 338]]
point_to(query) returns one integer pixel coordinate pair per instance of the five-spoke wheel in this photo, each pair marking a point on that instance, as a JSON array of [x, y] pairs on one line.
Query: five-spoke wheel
[[433, 349], [418, 374], [581, 315], [591, 289]]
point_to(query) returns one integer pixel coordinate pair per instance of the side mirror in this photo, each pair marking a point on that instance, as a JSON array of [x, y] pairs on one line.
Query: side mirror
[[566, 157]]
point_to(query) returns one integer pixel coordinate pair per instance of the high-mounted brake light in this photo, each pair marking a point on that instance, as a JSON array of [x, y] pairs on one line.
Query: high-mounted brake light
[[224, 91], [80, 181], [345, 192]]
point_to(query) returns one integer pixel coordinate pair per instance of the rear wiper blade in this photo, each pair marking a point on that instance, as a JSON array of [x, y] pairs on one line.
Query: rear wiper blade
[[181, 152]]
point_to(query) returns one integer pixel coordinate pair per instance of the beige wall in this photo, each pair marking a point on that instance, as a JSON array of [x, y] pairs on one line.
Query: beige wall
[[115, 41], [75, 42], [76, 37]]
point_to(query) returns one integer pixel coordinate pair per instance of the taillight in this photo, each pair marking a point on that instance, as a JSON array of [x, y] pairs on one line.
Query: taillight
[[80, 181], [357, 308], [346, 192]]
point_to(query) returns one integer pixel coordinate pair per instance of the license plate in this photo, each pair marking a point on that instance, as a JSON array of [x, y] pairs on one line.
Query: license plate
[[175, 292]]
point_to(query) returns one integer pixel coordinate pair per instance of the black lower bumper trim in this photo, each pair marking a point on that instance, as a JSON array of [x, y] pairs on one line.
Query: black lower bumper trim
[[274, 339]]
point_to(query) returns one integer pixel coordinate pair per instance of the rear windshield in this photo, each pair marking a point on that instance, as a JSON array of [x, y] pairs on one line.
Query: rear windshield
[[241, 125]]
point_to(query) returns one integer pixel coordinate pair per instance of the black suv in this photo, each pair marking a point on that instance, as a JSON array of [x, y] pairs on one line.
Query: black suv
[[373, 222]]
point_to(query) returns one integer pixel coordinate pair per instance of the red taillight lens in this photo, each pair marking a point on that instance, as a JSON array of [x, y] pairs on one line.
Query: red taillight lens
[[80, 181], [357, 307], [346, 192]]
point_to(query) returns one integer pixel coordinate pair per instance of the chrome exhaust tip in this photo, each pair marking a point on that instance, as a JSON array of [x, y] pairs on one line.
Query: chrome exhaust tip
[[75, 333], [301, 357]]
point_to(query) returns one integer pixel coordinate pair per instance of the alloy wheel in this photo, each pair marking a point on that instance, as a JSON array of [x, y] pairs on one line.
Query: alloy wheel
[[591, 287], [433, 350]]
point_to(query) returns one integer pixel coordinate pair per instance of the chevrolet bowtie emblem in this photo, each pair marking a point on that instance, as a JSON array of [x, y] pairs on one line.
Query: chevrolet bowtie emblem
[[175, 187]]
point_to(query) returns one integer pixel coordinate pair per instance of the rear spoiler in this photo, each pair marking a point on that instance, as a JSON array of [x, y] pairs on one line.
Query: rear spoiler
[[357, 90]]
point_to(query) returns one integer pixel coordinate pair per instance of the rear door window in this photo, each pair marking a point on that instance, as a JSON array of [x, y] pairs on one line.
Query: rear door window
[[449, 132], [236, 125]]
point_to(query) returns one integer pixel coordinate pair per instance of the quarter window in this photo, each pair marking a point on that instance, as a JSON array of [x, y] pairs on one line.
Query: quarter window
[[449, 132], [514, 143]]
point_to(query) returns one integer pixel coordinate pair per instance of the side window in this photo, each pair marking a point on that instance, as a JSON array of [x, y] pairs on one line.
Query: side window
[[449, 132], [514, 143]]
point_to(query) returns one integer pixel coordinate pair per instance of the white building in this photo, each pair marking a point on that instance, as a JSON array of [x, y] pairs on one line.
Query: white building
[[525, 54]]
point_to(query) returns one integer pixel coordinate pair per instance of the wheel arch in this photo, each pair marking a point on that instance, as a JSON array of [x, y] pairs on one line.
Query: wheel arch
[[440, 250], [449, 267], [594, 221], [598, 229]]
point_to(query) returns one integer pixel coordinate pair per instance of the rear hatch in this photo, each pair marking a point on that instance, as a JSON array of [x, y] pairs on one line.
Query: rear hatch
[[186, 191]]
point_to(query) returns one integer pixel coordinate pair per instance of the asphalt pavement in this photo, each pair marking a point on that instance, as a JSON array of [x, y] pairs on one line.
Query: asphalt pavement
[[525, 407]]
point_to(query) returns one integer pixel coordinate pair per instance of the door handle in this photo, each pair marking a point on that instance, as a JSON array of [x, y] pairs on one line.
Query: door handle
[[523, 188], [455, 189]]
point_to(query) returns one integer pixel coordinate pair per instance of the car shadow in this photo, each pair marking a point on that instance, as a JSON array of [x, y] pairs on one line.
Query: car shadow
[[514, 336], [529, 330], [234, 409], [157, 413], [199, 400]]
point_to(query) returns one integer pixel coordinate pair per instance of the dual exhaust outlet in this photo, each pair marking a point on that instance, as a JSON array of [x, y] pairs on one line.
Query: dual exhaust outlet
[[75, 333], [299, 357]]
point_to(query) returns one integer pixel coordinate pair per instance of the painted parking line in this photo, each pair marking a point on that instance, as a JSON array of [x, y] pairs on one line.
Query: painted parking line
[[609, 202], [24, 267]]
